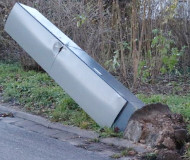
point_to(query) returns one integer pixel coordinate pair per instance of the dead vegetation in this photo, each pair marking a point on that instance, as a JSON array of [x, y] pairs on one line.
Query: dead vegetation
[[122, 36]]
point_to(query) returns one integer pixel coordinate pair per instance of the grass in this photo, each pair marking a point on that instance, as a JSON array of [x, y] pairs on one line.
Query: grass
[[124, 153], [38, 93], [150, 156], [34, 91]]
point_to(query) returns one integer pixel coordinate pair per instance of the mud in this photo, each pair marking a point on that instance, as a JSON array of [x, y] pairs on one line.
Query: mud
[[156, 126], [6, 114]]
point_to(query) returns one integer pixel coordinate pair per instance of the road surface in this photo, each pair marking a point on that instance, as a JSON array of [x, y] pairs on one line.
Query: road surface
[[20, 144]]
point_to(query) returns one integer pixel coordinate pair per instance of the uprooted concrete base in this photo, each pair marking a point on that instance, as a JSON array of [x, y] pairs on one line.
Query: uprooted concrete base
[[155, 125]]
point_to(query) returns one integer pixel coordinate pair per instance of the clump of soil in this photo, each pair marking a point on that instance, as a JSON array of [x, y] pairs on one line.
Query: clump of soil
[[165, 154], [156, 126], [6, 114]]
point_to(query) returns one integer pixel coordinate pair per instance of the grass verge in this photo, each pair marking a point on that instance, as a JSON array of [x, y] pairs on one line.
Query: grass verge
[[38, 93]]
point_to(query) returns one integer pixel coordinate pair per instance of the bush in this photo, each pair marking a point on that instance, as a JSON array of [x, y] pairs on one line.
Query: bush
[[103, 28]]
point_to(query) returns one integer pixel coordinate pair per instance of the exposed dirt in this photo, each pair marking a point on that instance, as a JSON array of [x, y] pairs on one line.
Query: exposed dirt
[[6, 114], [156, 126], [165, 154]]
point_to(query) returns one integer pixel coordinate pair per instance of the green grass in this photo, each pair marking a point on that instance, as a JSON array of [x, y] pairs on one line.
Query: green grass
[[33, 90], [38, 93], [123, 153], [150, 156]]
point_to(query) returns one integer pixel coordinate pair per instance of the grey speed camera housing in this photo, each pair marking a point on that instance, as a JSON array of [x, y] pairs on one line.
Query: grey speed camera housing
[[96, 91]]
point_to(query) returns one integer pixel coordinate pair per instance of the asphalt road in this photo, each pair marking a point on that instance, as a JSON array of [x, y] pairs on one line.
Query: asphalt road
[[19, 144]]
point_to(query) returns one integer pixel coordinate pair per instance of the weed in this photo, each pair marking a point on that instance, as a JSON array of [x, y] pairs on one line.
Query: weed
[[123, 153], [150, 156], [116, 156], [162, 58], [95, 140], [109, 132]]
